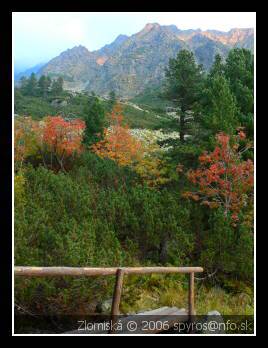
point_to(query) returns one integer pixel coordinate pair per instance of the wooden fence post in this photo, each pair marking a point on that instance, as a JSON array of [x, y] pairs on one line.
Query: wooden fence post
[[191, 308], [116, 297]]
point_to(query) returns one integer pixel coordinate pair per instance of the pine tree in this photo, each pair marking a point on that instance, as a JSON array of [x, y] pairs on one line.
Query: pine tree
[[112, 99], [94, 120], [49, 82], [183, 85], [23, 85], [220, 113], [57, 87], [31, 87], [43, 85], [217, 67], [239, 69]]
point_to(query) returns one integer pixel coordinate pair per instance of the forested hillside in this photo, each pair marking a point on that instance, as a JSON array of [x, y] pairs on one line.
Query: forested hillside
[[165, 178]]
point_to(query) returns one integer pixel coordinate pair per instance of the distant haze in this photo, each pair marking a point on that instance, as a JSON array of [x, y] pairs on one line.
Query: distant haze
[[40, 36]]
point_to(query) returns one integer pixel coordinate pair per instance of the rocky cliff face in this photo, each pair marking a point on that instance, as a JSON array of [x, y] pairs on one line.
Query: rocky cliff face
[[130, 64]]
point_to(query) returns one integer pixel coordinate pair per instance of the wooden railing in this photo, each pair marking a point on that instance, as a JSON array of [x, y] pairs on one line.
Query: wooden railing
[[119, 272]]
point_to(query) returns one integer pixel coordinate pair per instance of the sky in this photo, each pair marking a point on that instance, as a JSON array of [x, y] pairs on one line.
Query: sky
[[41, 36]]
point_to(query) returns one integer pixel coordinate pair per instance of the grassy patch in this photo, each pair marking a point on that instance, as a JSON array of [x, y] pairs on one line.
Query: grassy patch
[[145, 293], [141, 119], [151, 99]]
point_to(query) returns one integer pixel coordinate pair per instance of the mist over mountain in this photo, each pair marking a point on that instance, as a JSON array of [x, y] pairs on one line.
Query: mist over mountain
[[130, 64], [18, 73]]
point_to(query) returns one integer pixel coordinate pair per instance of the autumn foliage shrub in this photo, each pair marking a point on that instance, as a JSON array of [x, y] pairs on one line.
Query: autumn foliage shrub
[[62, 139], [118, 144], [54, 141], [224, 179], [125, 149], [224, 182]]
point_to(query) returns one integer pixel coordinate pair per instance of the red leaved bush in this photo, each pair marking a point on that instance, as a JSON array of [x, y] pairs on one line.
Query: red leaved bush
[[224, 178]]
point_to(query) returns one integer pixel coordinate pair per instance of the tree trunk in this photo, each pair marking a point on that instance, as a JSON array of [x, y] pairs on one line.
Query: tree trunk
[[182, 125]]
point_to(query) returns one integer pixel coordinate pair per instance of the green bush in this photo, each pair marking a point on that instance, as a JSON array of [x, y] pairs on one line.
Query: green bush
[[228, 249], [67, 221]]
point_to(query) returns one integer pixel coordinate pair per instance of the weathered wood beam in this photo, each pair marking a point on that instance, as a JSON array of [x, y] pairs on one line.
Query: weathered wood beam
[[98, 271], [191, 295], [117, 297]]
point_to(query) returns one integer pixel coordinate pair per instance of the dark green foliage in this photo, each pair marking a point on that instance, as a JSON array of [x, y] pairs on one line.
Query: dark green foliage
[[112, 99], [58, 226], [106, 173], [57, 87], [183, 80], [220, 112], [218, 67], [43, 87], [36, 107], [93, 217], [228, 249], [239, 69], [55, 216], [94, 119], [183, 87], [44, 84], [39, 107], [23, 85], [30, 88], [228, 97], [155, 221]]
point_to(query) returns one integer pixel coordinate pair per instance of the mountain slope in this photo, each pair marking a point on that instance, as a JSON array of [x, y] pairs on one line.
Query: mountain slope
[[139, 61], [130, 64]]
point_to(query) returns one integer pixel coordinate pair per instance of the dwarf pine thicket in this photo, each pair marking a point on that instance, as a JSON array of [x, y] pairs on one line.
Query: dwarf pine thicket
[[101, 183]]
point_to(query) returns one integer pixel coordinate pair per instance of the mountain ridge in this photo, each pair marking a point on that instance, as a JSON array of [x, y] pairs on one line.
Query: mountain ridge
[[131, 63]]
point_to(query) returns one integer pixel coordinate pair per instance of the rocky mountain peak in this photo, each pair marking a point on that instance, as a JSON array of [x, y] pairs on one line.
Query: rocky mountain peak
[[150, 26], [120, 38], [79, 48], [76, 51]]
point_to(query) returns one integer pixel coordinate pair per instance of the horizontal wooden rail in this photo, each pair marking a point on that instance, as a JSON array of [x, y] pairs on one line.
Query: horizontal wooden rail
[[98, 271]]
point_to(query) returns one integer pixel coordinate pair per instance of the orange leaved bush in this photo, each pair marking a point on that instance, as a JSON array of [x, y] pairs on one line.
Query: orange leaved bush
[[118, 144], [53, 138], [122, 147]]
